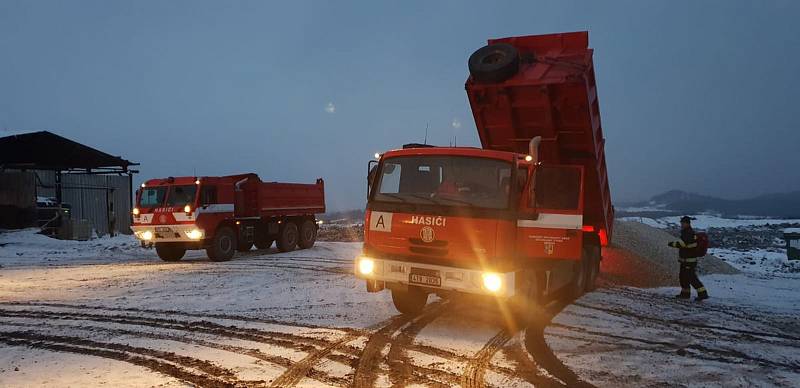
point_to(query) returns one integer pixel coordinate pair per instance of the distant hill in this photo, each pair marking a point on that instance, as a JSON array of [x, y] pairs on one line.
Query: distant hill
[[779, 205]]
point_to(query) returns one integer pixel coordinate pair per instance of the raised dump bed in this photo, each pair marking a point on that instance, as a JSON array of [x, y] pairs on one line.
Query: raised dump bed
[[544, 85]]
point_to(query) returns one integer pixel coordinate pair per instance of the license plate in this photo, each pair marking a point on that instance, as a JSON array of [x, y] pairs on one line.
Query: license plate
[[163, 229], [428, 278]]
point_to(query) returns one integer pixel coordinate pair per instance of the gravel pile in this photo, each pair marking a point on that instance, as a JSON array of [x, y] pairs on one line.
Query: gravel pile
[[639, 256], [341, 233]]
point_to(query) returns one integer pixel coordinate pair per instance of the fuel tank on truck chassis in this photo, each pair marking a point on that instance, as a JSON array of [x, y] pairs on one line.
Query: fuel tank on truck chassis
[[544, 85]]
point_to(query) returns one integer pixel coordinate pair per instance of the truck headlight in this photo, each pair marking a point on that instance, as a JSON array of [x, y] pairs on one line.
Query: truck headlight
[[147, 235], [194, 234], [492, 282], [187, 209], [136, 211], [366, 266]]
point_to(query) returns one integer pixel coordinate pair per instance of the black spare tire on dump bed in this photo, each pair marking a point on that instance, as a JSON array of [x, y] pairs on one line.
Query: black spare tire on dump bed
[[494, 63]]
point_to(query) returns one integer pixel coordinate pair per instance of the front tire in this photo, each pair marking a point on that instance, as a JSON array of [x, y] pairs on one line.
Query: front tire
[[223, 245], [308, 234], [288, 237], [579, 272], [409, 302], [170, 252]]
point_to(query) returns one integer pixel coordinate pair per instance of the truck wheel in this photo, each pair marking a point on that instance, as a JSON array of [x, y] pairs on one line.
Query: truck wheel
[[594, 268], [287, 237], [170, 252], [578, 284], [223, 245], [409, 302], [494, 63], [308, 234]]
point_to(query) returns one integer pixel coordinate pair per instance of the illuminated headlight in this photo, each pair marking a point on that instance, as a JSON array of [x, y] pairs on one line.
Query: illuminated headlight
[[366, 266], [492, 282], [136, 211], [187, 209], [147, 235], [194, 234]]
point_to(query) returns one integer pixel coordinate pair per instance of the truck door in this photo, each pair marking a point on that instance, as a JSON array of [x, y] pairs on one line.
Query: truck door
[[551, 216]]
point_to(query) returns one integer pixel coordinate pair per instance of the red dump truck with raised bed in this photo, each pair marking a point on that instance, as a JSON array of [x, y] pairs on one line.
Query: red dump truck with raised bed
[[226, 214], [521, 219]]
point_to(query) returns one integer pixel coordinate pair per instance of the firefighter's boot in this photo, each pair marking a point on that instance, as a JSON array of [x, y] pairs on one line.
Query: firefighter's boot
[[685, 294], [702, 294]]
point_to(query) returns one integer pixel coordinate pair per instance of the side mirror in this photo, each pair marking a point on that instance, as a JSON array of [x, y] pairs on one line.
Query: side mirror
[[372, 170]]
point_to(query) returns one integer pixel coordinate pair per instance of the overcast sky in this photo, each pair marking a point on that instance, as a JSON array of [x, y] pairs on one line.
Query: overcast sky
[[700, 97]]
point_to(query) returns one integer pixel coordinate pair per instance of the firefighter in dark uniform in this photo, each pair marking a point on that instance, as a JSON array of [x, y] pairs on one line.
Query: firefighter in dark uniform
[[688, 260]]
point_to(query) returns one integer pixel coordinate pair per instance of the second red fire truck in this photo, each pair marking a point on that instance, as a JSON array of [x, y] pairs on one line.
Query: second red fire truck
[[226, 214]]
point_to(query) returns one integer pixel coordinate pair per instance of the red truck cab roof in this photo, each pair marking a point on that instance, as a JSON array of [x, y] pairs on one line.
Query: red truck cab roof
[[455, 151]]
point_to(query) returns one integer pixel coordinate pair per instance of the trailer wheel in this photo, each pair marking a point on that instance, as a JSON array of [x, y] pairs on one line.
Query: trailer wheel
[[578, 284], [223, 245], [594, 268], [409, 302], [494, 63], [170, 252], [287, 237], [308, 234]]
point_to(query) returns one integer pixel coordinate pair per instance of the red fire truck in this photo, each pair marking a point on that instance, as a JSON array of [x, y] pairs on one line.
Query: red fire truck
[[225, 214], [523, 219]]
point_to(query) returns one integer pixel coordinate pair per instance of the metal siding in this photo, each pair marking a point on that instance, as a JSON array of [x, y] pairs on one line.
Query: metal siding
[[87, 195], [17, 189]]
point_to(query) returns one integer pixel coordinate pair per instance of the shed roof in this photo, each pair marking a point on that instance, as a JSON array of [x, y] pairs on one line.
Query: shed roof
[[45, 150]]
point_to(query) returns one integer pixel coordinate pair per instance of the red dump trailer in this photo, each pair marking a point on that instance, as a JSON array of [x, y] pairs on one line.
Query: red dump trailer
[[522, 219], [225, 214]]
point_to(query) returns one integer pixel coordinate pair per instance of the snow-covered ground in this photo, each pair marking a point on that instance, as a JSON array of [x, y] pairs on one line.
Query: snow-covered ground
[[747, 334], [108, 312]]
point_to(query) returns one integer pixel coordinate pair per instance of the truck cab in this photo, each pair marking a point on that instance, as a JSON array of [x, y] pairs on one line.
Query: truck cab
[[473, 221]]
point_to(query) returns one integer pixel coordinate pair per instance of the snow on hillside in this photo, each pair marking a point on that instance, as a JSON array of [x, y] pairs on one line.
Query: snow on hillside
[[704, 221]]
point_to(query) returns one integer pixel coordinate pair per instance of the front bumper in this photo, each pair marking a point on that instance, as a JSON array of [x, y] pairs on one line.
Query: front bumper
[[452, 278], [168, 233]]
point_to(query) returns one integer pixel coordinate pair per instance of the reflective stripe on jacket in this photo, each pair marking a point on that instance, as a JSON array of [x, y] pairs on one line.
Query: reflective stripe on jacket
[[685, 244]]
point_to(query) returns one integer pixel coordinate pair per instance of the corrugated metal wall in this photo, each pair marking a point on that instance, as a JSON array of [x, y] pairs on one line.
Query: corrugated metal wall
[[90, 196], [17, 189]]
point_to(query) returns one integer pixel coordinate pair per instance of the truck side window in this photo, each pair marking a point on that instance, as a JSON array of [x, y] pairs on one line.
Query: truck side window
[[208, 195], [557, 188]]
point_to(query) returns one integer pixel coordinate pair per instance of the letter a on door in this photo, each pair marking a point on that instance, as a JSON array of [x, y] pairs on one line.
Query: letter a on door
[[380, 222]]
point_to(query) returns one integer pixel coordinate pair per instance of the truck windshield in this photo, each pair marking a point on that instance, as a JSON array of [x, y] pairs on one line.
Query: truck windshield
[[181, 195], [445, 180], [152, 196]]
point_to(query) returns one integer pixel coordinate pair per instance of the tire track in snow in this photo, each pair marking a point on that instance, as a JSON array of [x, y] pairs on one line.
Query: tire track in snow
[[400, 366], [301, 369], [285, 340], [366, 371], [476, 367], [204, 315], [250, 352], [538, 348], [167, 363]]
